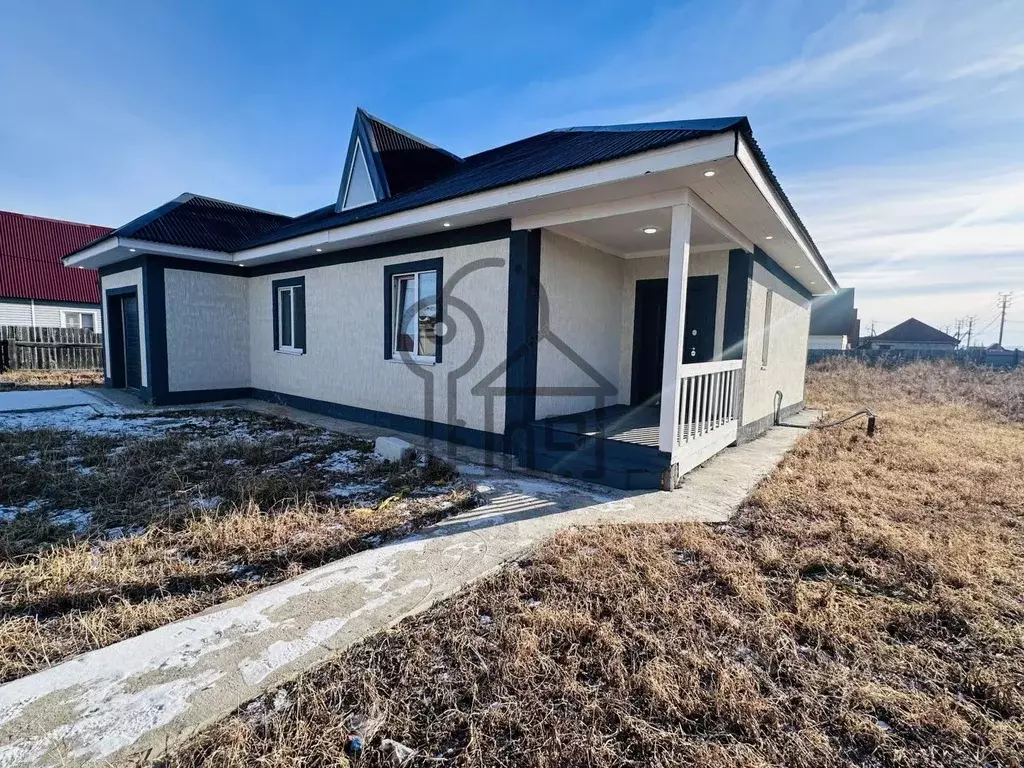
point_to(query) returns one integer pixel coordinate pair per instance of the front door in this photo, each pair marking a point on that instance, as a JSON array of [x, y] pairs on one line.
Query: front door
[[132, 347], [649, 317]]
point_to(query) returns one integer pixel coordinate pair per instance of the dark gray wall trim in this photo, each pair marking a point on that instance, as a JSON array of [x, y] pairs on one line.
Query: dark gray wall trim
[[423, 265], [521, 346], [768, 273], [483, 233], [155, 308], [741, 265], [187, 397], [414, 426], [122, 266], [756, 428], [190, 265], [291, 282]]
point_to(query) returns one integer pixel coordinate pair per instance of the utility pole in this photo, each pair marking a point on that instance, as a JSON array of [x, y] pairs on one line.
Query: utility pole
[[959, 329], [970, 328], [1004, 302], [871, 330]]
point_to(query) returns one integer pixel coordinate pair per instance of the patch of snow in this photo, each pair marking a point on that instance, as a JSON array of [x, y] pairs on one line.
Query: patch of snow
[[345, 462], [345, 491], [121, 532], [211, 503], [31, 459], [234, 462], [78, 519], [296, 460], [281, 700], [85, 470], [8, 513]]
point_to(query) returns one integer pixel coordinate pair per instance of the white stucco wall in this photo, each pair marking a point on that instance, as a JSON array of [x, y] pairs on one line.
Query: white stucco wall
[[131, 277], [47, 315], [583, 288], [207, 330], [787, 353], [711, 263], [344, 361]]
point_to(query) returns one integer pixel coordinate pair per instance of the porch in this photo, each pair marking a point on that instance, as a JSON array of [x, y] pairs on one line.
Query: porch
[[641, 337]]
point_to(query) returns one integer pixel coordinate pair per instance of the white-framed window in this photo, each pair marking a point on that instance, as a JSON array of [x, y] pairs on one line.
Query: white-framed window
[[290, 315], [767, 331], [414, 315], [77, 319], [359, 190]]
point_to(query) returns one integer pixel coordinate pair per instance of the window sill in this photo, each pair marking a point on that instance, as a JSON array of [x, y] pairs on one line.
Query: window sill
[[289, 351], [411, 360]]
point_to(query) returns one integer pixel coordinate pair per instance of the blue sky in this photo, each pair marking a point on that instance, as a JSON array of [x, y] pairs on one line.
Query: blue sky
[[895, 127]]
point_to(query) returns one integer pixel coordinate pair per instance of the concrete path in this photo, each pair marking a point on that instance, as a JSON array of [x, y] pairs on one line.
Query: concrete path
[[134, 699], [45, 400]]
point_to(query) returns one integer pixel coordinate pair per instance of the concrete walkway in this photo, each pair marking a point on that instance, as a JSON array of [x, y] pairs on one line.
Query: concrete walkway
[[140, 696], [47, 400]]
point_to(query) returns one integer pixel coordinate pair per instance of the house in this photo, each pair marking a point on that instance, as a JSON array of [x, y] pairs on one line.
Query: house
[[611, 302], [912, 335], [36, 289], [834, 323]]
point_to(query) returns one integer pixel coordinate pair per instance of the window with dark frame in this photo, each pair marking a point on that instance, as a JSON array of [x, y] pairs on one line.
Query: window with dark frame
[[766, 332], [415, 314], [290, 315]]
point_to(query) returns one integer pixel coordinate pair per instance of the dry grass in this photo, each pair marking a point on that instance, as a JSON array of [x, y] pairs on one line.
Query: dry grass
[[50, 379], [866, 607], [161, 528]]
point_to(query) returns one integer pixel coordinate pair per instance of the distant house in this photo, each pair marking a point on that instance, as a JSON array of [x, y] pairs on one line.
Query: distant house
[[36, 289], [834, 323], [912, 335]]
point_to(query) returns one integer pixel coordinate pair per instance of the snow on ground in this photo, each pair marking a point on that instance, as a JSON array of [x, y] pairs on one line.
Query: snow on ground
[[211, 503], [78, 519], [9, 513], [343, 462], [349, 490]]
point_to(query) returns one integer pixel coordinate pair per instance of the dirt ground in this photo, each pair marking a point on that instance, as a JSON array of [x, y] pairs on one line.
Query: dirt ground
[[50, 379], [114, 525], [865, 607]]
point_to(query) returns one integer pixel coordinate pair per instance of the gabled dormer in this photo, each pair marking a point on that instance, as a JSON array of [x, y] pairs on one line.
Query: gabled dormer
[[384, 161]]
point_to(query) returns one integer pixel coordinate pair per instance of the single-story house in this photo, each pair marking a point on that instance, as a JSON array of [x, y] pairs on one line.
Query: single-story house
[[834, 323], [912, 336], [617, 303], [36, 289]]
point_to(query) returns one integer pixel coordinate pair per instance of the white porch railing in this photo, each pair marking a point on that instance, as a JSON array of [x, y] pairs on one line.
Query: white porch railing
[[707, 412]]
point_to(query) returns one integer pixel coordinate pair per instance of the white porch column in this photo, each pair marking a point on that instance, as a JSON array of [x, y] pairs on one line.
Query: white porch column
[[678, 270]]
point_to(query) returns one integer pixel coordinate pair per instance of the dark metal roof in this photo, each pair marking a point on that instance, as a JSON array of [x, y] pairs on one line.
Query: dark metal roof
[[409, 162], [532, 158], [914, 331], [31, 249], [203, 222]]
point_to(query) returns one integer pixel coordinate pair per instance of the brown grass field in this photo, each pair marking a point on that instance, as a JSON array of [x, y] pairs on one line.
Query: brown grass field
[[864, 608], [50, 379], [105, 536]]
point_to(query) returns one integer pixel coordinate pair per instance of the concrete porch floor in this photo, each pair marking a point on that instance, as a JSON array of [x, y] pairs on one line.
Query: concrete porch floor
[[135, 699]]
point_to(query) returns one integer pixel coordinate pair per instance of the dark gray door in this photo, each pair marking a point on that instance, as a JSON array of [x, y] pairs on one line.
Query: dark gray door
[[699, 336], [649, 316], [132, 346]]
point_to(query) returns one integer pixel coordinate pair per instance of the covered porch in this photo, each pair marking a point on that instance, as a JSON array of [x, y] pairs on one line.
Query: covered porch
[[641, 338]]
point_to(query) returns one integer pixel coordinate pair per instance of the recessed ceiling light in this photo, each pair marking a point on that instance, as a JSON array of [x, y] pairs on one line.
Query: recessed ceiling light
[[319, 250], [131, 250], [80, 266], [796, 266], [650, 230], [769, 237], [709, 174], [446, 224], [813, 283]]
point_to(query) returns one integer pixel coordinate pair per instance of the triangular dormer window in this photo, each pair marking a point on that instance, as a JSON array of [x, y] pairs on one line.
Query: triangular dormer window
[[360, 188]]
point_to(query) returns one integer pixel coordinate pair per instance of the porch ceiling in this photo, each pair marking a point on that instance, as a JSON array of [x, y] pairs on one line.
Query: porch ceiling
[[624, 236]]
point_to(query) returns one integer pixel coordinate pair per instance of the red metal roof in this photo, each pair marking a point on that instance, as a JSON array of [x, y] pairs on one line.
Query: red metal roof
[[30, 259]]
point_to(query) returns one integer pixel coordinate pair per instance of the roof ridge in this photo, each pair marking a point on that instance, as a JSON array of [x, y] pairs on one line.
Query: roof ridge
[[699, 123], [407, 134], [186, 197], [55, 221]]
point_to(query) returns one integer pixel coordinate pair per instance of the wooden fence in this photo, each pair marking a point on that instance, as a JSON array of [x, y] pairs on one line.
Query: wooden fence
[[24, 348]]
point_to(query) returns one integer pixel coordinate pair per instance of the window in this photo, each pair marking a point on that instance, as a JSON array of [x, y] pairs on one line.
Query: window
[[767, 332], [412, 311], [290, 315], [85, 320]]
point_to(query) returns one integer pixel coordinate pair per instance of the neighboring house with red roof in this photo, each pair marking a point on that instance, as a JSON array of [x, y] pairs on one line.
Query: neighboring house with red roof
[[36, 289]]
